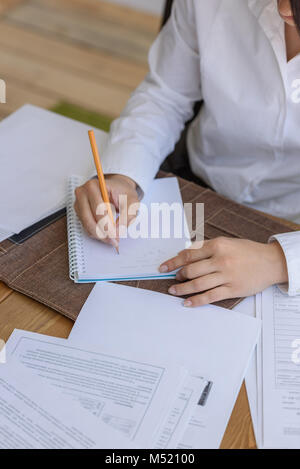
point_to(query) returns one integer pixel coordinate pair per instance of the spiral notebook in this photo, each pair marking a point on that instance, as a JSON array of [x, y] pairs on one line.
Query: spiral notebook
[[155, 236]]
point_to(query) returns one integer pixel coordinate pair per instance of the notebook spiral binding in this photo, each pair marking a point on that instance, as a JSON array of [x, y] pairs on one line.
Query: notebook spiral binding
[[75, 232]]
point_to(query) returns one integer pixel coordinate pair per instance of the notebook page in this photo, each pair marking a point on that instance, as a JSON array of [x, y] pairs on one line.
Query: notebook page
[[138, 258]]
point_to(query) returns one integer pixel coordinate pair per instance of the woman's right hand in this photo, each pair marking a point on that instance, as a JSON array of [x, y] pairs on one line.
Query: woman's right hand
[[88, 200]]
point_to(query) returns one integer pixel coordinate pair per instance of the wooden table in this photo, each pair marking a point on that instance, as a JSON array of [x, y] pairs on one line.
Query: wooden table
[[21, 312]]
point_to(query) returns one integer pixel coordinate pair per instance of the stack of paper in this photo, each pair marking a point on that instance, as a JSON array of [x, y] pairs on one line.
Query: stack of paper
[[130, 394], [39, 150], [212, 342], [121, 390], [33, 418], [273, 380]]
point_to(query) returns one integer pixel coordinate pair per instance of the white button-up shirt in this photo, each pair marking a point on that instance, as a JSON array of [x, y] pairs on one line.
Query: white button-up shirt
[[245, 142]]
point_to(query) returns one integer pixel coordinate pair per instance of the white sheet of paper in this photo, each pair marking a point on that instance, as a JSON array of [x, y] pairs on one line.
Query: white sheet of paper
[[216, 342], [39, 150], [248, 306], [281, 375], [259, 376], [254, 380], [140, 257], [4, 235], [127, 391], [34, 415]]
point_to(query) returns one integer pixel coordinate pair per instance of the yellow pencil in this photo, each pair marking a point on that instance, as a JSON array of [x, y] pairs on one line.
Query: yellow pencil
[[101, 178]]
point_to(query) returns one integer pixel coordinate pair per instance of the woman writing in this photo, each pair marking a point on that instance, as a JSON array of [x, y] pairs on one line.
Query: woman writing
[[241, 58]]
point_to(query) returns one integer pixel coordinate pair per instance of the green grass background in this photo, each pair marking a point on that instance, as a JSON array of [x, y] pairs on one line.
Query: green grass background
[[83, 115]]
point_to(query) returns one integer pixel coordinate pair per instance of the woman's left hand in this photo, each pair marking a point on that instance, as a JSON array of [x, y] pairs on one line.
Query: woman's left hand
[[226, 268]]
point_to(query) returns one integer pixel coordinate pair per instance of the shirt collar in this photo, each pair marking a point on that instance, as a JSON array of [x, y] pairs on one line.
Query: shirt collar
[[266, 11], [258, 6]]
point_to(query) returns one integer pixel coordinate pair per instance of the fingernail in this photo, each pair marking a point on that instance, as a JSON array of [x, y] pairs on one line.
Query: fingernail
[[172, 290], [187, 303], [163, 269]]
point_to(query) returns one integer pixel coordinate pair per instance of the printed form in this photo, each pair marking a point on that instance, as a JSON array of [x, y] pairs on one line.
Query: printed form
[[132, 395], [32, 416], [281, 369], [180, 416]]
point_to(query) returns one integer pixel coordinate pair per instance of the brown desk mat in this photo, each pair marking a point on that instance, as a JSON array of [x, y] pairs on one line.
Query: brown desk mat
[[39, 267]]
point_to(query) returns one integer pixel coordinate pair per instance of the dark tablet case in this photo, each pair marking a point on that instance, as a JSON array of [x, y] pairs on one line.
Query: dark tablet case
[[39, 267]]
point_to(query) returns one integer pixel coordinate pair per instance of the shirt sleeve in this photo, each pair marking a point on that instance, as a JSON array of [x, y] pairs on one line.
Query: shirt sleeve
[[152, 121], [290, 243]]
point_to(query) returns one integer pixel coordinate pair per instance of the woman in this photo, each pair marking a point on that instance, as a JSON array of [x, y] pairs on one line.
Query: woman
[[241, 58]]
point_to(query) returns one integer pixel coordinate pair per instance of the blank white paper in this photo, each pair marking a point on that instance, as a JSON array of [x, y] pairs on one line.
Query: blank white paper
[[4, 235], [39, 150], [248, 306]]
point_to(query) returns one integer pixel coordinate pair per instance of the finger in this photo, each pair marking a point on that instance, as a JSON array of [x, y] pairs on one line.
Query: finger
[[87, 214], [128, 209], [105, 228], [96, 202], [197, 285], [211, 296], [84, 212], [196, 269], [186, 257], [100, 209], [106, 231]]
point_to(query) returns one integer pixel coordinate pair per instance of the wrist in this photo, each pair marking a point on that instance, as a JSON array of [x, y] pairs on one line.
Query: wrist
[[123, 178], [278, 265]]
